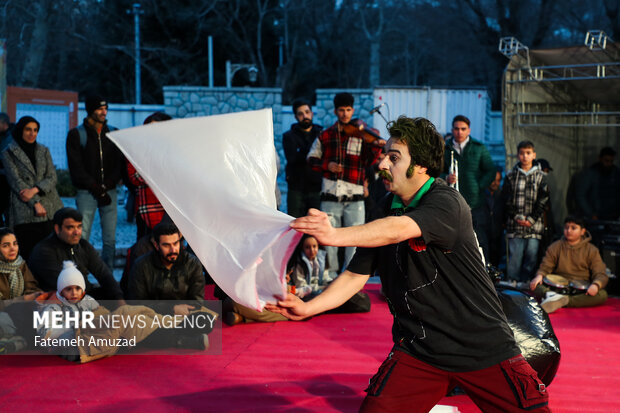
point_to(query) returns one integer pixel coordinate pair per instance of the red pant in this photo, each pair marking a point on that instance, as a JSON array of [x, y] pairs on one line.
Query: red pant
[[405, 384]]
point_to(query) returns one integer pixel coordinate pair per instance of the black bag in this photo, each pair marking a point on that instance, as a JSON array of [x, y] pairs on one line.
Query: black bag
[[533, 332]]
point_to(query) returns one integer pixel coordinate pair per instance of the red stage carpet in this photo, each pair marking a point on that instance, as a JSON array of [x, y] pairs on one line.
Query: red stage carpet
[[321, 365]]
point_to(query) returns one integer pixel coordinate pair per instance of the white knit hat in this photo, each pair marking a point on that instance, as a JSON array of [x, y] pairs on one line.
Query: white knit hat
[[69, 275]]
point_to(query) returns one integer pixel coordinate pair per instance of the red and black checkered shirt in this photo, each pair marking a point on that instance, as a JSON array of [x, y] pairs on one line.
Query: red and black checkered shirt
[[147, 204], [351, 152]]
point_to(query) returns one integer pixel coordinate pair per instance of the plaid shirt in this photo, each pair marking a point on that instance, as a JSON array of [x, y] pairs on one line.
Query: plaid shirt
[[350, 151], [525, 197], [147, 204]]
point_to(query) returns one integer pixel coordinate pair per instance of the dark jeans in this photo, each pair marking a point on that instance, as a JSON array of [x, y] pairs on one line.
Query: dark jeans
[[28, 235], [299, 202]]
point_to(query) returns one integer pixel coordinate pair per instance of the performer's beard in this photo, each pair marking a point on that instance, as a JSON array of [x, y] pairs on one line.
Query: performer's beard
[[305, 123]]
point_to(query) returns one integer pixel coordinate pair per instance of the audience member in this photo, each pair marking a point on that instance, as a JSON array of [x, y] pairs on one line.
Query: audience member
[[307, 277], [66, 244], [310, 275], [548, 220], [304, 184], [168, 273], [579, 262], [525, 194], [342, 158], [598, 189], [5, 139], [475, 173], [149, 211], [96, 167], [70, 299], [495, 209], [374, 189], [31, 176], [17, 284]]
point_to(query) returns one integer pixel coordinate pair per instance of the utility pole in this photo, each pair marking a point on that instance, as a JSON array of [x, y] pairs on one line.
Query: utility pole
[[137, 11]]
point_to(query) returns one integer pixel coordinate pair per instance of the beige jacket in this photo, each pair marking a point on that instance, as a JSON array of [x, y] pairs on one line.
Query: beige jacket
[[575, 262]]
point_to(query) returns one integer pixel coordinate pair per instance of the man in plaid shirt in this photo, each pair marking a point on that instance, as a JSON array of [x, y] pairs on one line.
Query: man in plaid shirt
[[342, 159], [525, 195]]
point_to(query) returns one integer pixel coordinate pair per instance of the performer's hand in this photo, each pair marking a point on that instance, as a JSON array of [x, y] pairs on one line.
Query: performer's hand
[[536, 281], [593, 289], [317, 224], [524, 223], [379, 142], [292, 307], [334, 167], [451, 179]]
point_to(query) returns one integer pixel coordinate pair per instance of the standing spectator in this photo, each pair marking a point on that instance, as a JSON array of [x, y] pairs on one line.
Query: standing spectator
[[342, 158], [304, 184], [149, 211], [598, 189], [96, 166], [475, 173], [31, 175], [525, 195], [548, 220], [495, 209], [5, 130], [5, 139]]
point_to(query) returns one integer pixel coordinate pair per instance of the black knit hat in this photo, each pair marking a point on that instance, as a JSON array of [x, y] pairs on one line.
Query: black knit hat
[[94, 102]]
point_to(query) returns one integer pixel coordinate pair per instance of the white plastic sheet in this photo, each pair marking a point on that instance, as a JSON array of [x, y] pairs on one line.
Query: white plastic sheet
[[216, 178]]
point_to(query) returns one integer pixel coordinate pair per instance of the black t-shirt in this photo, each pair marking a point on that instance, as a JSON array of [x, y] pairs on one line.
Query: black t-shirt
[[446, 310]]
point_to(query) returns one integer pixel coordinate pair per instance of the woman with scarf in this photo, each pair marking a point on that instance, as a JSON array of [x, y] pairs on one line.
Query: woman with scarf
[[17, 284], [31, 176]]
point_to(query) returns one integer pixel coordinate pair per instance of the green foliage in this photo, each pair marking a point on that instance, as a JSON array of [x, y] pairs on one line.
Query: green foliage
[[64, 186]]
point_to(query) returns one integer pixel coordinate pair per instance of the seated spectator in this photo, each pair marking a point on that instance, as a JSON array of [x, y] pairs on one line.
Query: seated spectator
[[16, 284], [70, 298], [168, 273], [66, 244], [308, 277], [578, 261], [31, 176]]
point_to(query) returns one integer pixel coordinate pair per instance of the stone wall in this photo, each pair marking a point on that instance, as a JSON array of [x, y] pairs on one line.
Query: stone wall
[[191, 101]]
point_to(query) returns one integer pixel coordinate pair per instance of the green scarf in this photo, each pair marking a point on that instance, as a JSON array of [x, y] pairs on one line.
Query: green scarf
[[397, 203]]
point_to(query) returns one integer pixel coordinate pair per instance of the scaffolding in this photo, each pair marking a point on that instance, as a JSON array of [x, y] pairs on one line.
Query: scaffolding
[[566, 101]]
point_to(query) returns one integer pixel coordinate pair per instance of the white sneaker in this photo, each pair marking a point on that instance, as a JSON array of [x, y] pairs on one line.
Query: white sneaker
[[553, 301]]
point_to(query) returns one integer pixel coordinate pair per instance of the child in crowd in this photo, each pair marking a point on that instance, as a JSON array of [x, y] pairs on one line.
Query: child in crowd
[[70, 298], [308, 277], [525, 194], [17, 284], [309, 265], [577, 260]]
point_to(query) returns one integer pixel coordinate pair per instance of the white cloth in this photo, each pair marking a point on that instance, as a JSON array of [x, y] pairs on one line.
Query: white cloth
[[215, 176]]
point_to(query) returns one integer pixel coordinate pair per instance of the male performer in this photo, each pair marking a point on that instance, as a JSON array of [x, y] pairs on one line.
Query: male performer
[[449, 328]]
